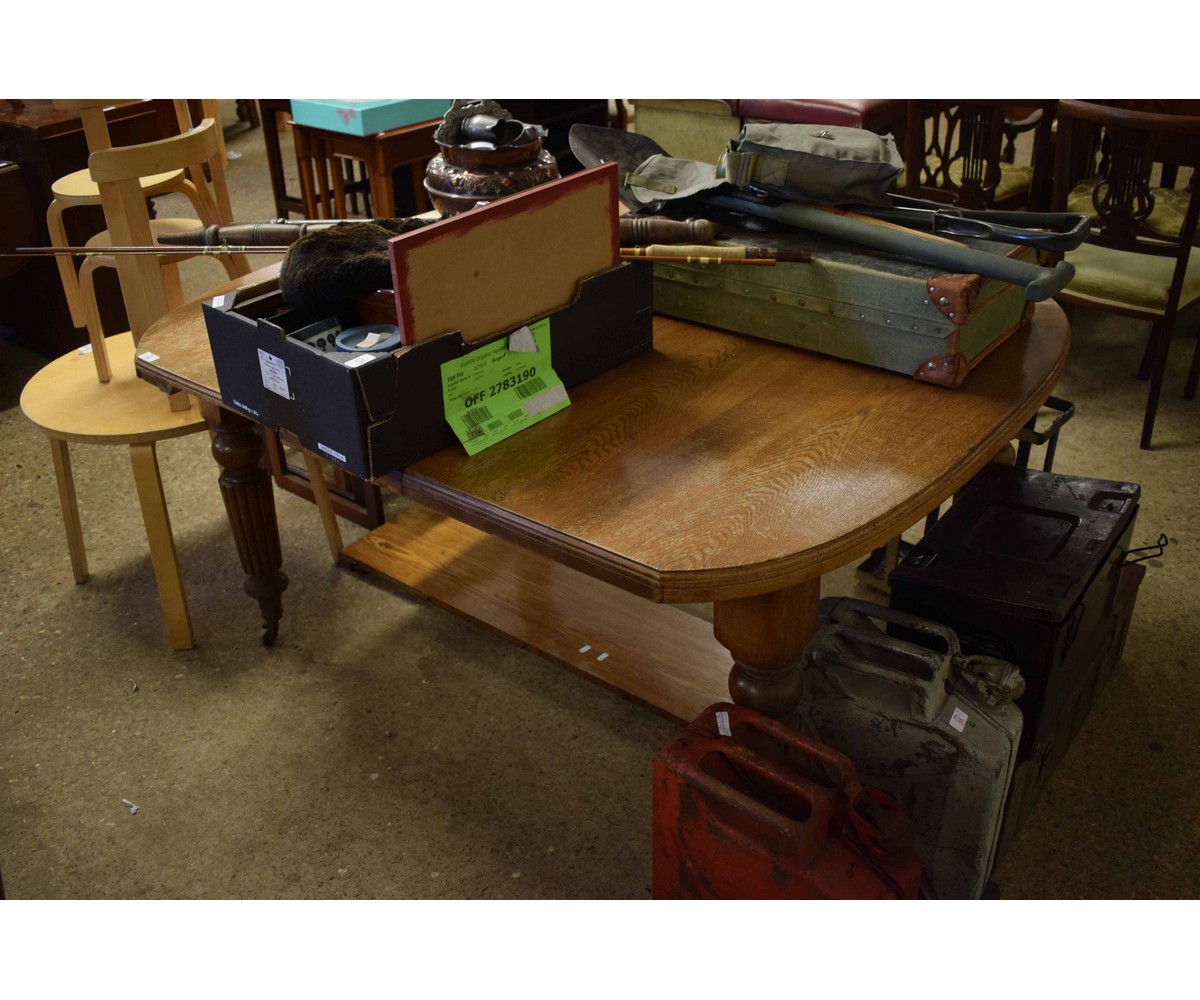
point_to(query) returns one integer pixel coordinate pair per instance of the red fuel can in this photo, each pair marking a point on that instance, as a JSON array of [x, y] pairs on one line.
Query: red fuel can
[[746, 808]]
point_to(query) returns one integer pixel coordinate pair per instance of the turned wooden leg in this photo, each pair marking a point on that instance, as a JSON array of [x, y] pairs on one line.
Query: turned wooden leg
[[250, 504], [766, 635]]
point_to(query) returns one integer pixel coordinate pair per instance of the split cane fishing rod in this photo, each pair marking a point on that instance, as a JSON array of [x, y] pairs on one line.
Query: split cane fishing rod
[[634, 231], [157, 251], [695, 254]]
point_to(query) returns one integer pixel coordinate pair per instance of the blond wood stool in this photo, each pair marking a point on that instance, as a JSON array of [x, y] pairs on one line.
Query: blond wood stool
[[70, 405]]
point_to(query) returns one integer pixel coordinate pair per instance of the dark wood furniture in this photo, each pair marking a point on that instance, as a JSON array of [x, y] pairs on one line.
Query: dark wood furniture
[[321, 153], [47, 143], [963, 152], [286, 203], [715, 468], [1137, 259], [395, 161]]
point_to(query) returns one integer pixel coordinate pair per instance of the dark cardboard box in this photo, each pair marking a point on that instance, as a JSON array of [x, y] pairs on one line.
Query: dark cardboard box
[[387, 411]]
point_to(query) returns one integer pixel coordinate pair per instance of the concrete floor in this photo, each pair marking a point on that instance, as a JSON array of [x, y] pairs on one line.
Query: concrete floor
[[384, 748]]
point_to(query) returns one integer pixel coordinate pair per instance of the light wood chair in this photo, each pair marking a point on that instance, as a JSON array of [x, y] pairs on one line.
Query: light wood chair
[[212, 206], [93, 396]]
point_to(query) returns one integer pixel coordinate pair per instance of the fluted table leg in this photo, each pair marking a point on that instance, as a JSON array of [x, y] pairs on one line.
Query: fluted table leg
[[250, 503]]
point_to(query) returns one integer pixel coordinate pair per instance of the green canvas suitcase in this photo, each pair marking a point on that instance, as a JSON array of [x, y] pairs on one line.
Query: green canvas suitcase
[[853, 303]]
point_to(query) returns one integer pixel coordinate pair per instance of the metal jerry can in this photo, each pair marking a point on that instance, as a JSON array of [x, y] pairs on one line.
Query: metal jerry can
[[746, 808], [935, 728]]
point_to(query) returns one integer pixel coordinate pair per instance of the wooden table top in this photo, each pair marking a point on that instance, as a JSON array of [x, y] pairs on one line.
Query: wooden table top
[[717, 466]]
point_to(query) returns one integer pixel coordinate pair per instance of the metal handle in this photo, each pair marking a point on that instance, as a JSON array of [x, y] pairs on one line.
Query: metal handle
[[1055, 231]]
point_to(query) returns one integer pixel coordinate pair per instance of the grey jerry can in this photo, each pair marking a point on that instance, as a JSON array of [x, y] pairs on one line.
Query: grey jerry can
[[935, 728]]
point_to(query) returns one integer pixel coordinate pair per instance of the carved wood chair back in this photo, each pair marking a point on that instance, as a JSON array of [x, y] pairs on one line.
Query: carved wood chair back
[[1137, 260], [964, 152]]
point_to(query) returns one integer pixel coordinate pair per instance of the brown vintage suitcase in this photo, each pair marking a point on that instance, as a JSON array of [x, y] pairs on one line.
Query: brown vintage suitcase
[[849, 302]]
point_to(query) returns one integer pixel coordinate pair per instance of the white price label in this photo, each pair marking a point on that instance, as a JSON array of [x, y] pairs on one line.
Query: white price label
[[274, 374]]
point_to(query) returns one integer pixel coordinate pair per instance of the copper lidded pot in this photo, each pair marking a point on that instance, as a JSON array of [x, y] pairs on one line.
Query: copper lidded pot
[[480, 163]]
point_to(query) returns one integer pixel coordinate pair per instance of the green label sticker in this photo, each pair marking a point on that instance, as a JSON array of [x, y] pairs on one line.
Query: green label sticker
[[493, 392]]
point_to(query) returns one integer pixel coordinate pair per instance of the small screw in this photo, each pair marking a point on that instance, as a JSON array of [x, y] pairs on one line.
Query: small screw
[[130, 806]]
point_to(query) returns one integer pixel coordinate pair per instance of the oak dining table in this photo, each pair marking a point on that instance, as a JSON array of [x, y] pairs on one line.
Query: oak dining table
[[715, 469]]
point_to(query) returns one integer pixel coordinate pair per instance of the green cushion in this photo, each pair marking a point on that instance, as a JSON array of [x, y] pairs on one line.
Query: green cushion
[[1120, 279], [1170, 206], [1015, 178]]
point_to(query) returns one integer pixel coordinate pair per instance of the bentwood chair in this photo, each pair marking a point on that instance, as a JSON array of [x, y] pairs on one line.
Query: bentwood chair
[[963, 152], [94, 397], [1138, 260], [210, 203]]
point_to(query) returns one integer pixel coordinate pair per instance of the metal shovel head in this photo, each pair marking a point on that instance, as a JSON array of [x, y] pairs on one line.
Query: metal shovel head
[[596, 144]]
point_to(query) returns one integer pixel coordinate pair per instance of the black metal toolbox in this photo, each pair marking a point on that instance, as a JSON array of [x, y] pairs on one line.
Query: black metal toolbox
[[1025, 566]]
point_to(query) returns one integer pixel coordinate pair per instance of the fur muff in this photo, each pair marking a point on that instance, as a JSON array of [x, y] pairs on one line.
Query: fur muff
[[324, 269]]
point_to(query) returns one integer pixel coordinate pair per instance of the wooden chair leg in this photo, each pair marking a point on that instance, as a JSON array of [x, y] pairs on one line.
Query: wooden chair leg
[[172, 285], [70, 508], [162, 545], [66, 265], [1147, 363], [316, 478], [1160, 344], [1189, 391]]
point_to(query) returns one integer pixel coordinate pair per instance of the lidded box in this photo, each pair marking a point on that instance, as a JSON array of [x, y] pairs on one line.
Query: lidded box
[[1025, 566]]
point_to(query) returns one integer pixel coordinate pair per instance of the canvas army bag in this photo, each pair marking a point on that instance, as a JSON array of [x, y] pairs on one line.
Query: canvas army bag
[[822, 163], [826, 164]]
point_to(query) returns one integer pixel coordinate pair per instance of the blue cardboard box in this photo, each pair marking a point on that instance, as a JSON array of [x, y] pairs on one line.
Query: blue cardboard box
[[366, 117]]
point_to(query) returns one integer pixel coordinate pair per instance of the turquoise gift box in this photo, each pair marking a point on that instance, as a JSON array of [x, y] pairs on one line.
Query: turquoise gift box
[[366, 117]]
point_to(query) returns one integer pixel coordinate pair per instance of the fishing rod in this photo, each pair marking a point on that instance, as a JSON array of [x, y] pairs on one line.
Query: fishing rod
[[158, 251], [678, 255]]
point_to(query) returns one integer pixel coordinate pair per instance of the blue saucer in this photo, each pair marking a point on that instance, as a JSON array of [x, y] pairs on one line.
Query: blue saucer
[[348, 340]]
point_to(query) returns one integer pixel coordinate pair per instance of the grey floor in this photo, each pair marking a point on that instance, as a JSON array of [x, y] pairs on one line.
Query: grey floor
[[387, 749]]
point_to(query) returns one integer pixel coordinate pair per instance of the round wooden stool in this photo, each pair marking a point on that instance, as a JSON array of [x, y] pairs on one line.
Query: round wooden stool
[[69, 403]]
